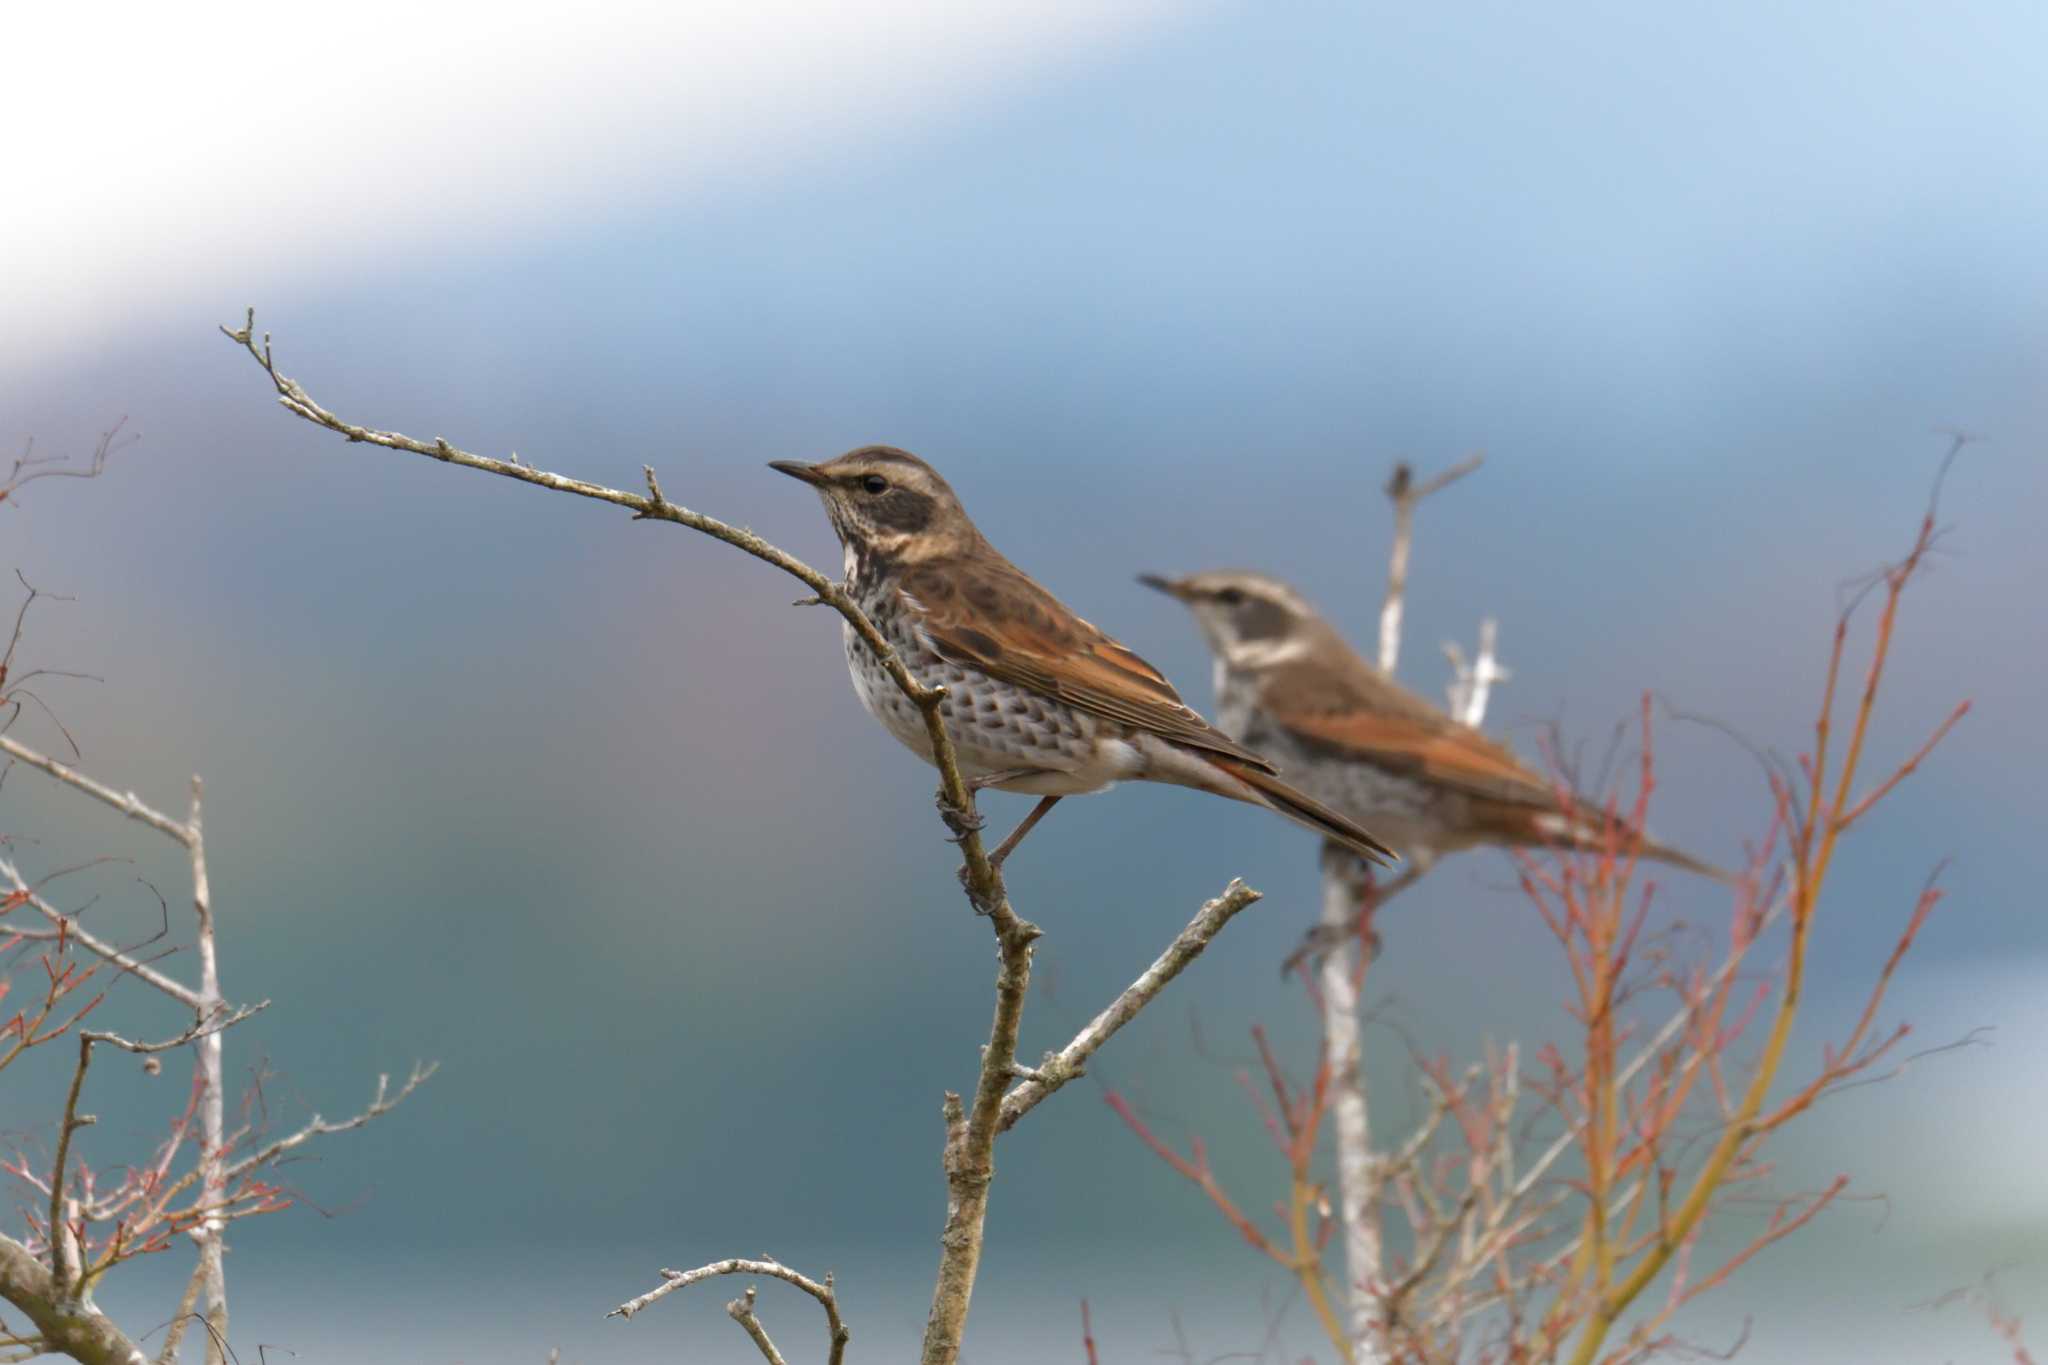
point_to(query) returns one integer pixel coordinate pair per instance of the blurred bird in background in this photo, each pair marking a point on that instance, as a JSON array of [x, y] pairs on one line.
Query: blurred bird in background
[[1291, 688]]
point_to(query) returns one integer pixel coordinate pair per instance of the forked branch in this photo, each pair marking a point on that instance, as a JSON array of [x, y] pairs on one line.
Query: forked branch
[[768, 1267]]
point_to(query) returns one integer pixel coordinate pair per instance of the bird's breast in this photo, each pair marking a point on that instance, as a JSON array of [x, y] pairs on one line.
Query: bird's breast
[[995, 725]]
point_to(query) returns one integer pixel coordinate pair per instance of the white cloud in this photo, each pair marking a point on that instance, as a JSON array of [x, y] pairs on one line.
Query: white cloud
[[157, 153]]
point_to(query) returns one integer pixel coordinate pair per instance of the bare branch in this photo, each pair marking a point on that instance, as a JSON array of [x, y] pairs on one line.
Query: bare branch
[[224, 1020], [1906, 769], [1650, 1050], [128, 803], [1060, 1067], [382, 1103], [76, 1328], [1359, 1168], [1471, 685], [18, 891], [29, 466], [741, 1311], [1405, 493], [1359, 1179], [653, 507], [174, 1334], [672, 1280], [213, 1099], [69, 1267]]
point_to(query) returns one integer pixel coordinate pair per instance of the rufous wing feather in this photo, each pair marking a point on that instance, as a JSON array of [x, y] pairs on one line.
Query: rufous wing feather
[[1341, 702], [1436, 749], [992, 618]]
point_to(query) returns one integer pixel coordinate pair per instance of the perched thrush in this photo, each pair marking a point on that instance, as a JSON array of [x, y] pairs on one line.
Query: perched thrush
[[1037, 700], [1288, 686]]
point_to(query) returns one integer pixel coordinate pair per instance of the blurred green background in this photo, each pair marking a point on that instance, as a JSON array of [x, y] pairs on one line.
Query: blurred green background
[[582, 809]]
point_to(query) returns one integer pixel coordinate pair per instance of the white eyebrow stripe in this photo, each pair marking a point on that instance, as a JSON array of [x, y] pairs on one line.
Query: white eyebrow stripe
[[1267, 653]]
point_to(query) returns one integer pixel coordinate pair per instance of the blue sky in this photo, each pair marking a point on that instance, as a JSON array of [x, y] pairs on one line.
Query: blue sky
[[582, 809]]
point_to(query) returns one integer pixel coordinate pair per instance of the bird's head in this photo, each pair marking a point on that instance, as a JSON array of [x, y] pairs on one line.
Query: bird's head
[[1250, 620], [887, 505]]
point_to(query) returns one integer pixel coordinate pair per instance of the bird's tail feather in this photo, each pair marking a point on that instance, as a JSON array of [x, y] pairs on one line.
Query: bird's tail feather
[[1521, 824], [1665, 853], [1270, 792]]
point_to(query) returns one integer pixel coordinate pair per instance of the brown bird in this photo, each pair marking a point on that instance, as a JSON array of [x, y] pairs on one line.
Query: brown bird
[[1037, 700], [1289, 686]]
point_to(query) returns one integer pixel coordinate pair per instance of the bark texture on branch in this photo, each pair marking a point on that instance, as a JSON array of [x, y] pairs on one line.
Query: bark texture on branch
[[66, 1324], [1345, 884]]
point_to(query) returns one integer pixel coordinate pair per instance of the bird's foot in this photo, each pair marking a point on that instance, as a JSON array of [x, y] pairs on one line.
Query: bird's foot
[[962, 820], [1323, 939]]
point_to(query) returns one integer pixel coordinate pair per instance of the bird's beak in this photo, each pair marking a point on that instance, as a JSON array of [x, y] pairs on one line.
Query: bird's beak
[[1166, 585], [797, 469]]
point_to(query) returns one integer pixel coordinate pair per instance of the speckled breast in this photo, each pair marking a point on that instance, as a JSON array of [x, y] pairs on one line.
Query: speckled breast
[[995, 725]]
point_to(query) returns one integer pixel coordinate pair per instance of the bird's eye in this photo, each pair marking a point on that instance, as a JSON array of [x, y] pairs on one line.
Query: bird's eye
[[1230, 597], [875, 483]]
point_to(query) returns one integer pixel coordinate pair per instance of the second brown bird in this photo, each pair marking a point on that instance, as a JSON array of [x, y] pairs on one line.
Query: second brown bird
[[1289, 686]]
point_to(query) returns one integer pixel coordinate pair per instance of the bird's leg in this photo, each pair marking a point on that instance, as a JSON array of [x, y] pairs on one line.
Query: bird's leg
[[1038, 812], [1000, 776], [1323, 939]]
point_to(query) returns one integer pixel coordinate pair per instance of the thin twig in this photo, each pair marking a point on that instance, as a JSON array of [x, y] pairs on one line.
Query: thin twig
[[383, 1102], [28, 466], [1060, 1067], [18, 891], [741, 1310], [127, 803]]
